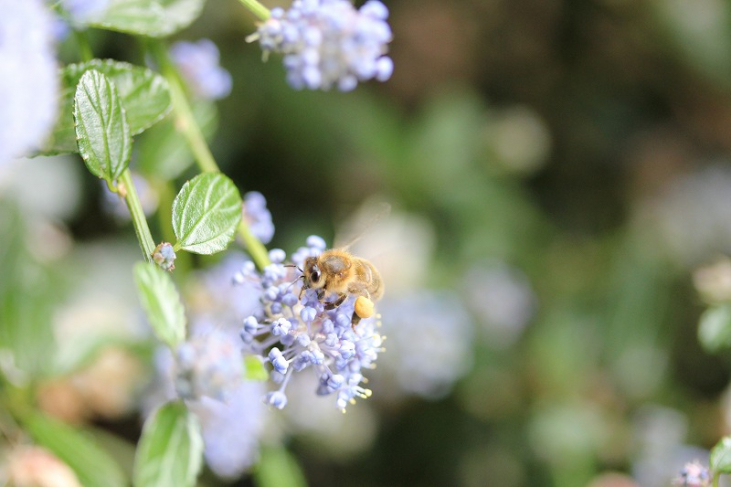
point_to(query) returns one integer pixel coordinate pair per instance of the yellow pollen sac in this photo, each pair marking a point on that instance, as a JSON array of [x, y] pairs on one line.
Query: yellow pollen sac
[[364, 307]]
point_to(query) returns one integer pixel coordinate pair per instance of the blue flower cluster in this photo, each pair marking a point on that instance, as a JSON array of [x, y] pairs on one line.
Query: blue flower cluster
[[207, 371], [164, 256], [198, 62], [329, 43], [208, 365], [694, 475], [84, 11], [258, 216], [29, 84], [296, 334]]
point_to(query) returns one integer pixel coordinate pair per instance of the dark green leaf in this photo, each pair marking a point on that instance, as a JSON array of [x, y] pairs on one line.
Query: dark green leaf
[[714, 331], [171, 448], [92, 465], [206, 213], [154, 18], [720, 461], [102, 132], [161, 302], [145, 97]]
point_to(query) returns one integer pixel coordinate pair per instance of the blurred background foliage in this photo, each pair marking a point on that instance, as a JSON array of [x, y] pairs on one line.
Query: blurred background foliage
[[557, 170]]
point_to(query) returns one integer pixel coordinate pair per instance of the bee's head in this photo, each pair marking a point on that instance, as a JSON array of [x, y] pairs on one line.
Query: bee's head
[[313, 274]]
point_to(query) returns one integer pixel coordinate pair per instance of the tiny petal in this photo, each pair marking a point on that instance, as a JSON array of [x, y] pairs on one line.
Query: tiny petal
[[276, 399], [164, 256], [198, 63]]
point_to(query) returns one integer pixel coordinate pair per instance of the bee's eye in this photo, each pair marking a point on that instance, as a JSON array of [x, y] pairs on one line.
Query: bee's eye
[[315, 274]]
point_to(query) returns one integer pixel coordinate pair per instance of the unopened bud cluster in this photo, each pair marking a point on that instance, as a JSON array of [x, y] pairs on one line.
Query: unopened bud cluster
[[329, 43]]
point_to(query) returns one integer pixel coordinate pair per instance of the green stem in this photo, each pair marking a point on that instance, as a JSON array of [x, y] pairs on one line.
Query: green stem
[[184, 120], [138, 215], [186, 124], [256, 8], [82, 40]]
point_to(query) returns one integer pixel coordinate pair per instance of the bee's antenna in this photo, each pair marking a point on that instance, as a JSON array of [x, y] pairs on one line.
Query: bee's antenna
[[292, 265]]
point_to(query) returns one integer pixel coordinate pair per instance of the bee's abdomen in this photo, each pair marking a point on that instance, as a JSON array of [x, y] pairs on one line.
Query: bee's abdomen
[[371, 278]]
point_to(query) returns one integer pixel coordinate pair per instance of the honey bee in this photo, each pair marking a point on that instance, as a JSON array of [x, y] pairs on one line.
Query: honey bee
[[338, 272]]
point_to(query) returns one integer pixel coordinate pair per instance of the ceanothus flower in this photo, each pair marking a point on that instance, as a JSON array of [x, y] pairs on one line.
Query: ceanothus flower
[[430, 337], [329, 43], [694, 474], [294, 332], [258, 216], [209, 365], [84, 11], [29, 84], [208, 372], [198, 63]]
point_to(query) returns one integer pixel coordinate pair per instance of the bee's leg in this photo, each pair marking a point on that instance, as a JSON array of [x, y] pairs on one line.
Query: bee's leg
[[354, 320], [338, 302]]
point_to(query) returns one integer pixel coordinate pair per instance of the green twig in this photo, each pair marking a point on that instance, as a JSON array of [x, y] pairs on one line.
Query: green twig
[[82, 41], [185, 122], [147, 244], [256, 8]]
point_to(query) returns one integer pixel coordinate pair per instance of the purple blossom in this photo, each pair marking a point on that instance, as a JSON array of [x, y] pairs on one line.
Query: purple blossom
[[329, 43], [85, 11], [208, 372], [431, 336], [259, 218], [198, 62], [694, 474], [29, 85], [231, 430], [208, 365], [298, 335], [164, 256]]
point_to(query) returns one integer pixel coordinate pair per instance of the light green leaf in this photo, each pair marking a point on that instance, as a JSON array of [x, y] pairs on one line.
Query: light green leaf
[[170, 451], [154, 18], [29, 293], [144, 93], [92, 465], [720, 461], [714, 331], [278, 468], [161, 302], [206, 213], [255, 369], [145, 97], [102, 132]]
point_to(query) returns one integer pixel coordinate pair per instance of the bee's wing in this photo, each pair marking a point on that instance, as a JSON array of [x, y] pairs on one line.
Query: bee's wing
[[361, 222]]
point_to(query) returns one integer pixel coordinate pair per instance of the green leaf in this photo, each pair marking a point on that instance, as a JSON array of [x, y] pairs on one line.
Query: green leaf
[[720, 461], [714, 331], [29, 293], [278, 468], [170, 451], [145, 97], [161, 302], [255, 369], [206, 212], [92, 465], [154, 18], [102, 132]]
